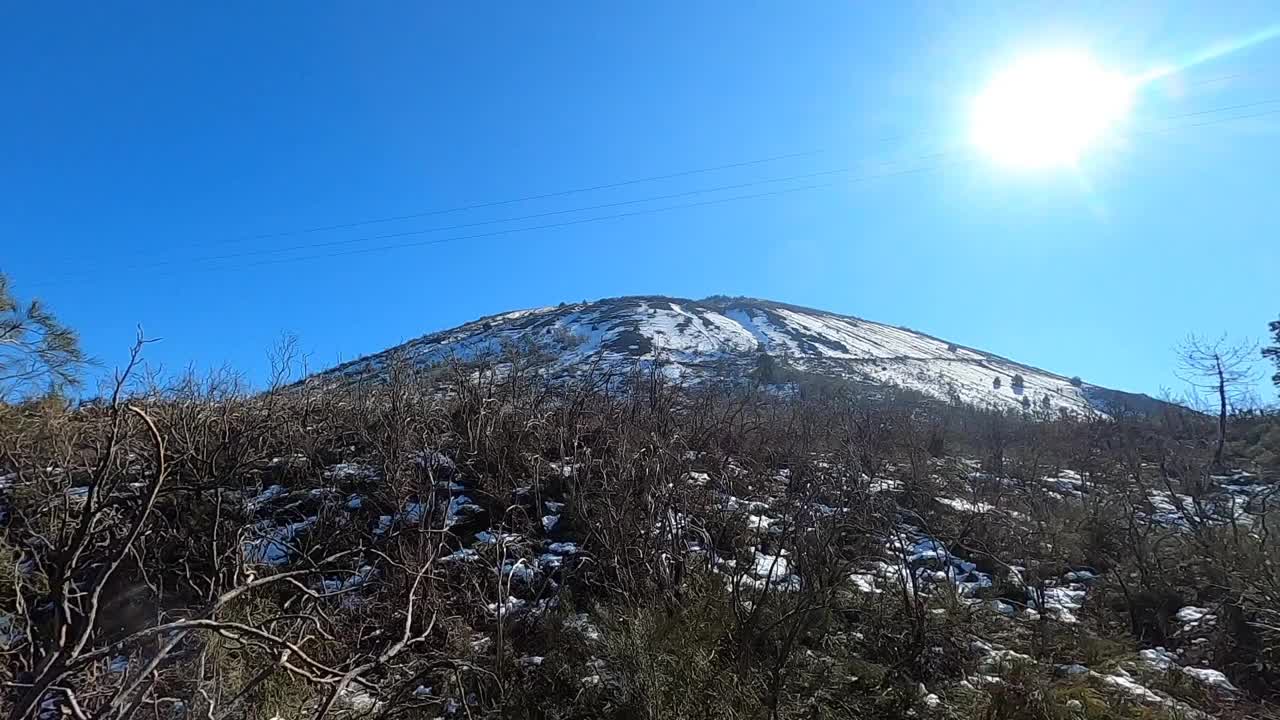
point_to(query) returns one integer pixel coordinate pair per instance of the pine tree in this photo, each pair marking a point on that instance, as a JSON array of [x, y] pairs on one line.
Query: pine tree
[[766, 371], [38, 354], [1272, 352]]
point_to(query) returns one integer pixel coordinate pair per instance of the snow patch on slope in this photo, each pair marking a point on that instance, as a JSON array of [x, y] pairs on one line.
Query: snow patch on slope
[[692, 337]]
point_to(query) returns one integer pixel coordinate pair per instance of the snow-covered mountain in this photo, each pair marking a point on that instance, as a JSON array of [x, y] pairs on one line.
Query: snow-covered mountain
[[717, 337]]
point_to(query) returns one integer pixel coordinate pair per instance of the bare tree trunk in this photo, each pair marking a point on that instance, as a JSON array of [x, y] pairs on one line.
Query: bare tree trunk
[[1217, 367], [1222, 412]]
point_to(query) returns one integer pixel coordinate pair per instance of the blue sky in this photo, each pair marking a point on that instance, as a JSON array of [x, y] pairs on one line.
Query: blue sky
[[138, 140]]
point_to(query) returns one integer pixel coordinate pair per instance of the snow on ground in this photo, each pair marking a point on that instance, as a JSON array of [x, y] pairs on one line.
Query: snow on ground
[[487, 537], [1170, 508], [1122, 680], [1061, 601], [508, 607], [550, 561], [358, 699], [772, 339], [460, 508], [926, 565], [273, 544], [563, 468], [771, 566], [760, 524], [348, 585], [435, 460], [992, 660], [1000, 607], [413, 511], [461, 555], [885, 485], [1067, 482], [1190, 614], [967, 506], [1194, 621], [1161, 659], [530, 567], [9, 633], [1209, 676], [1158, 658], [519, 570], [583, 625], [864, 582], [691, 336], [350, 471], [266, 496]]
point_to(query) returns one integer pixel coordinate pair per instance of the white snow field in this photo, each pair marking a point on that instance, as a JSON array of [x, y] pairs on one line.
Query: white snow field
[[696, 340]]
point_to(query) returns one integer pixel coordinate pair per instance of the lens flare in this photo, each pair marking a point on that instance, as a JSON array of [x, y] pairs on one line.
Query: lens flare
[[1048, 109]]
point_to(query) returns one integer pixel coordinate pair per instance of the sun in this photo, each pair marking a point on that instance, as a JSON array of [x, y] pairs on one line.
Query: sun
[[1048, 109]]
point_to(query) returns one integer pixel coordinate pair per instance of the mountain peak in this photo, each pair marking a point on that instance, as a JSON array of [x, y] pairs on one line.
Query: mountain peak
[[722, 336]]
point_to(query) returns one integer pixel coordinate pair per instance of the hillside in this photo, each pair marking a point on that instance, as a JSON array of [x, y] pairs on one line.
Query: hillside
[[718, 337], [517, 547]]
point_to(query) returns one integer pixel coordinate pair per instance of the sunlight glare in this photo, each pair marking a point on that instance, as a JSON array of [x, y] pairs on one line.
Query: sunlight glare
[[1047, 110]]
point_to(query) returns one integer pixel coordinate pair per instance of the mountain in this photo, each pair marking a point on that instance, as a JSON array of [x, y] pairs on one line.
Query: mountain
[[719, 336]]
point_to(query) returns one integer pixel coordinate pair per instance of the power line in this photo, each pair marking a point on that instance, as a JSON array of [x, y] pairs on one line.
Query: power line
[[650, 211], [582, 221], [1229, 108], [591, 188], [530, 198], [497, 221], [565, 211], [498, 203], [1223, 78], [1215, 121], [588, 208], [717, 201], [606, 186]]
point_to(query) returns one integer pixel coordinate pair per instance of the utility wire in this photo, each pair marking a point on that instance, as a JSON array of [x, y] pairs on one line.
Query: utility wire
[[583, 221], [530, 198], [1223, 78], [621, 183], [508, 201], [650, 211], [588, 208], [497, 221], [717, 201], [1155, 131], [1210, 111]]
